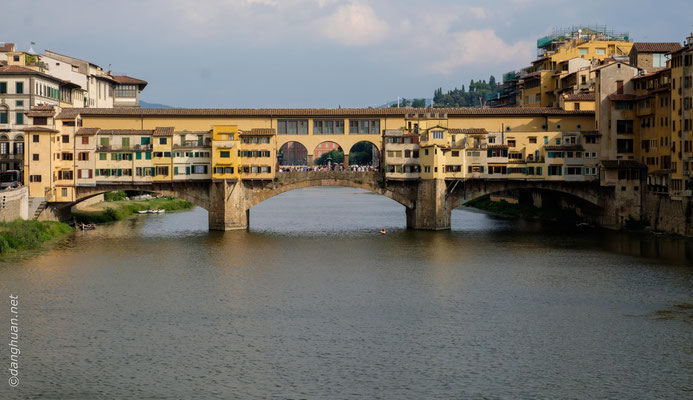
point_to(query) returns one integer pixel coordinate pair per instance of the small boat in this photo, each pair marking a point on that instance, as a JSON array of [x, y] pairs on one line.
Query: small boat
[[383, 231], [159, 211], [144, 211], [88, 227]]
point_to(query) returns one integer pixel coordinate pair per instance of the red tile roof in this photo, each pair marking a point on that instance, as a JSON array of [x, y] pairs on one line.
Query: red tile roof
[[580, 97], [19, 70], [87, 131], [39, 129], [127, 80], [660, 47], [67, 113], [125, 132], [164, 131], [258, 131], [39, 113], [468, 131]]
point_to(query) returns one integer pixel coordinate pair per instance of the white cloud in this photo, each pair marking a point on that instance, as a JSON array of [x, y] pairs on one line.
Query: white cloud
[[479, 47], [354, 24]]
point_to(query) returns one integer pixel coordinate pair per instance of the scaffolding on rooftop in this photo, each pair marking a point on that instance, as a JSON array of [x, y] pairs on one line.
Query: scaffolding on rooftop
[[594, 32]]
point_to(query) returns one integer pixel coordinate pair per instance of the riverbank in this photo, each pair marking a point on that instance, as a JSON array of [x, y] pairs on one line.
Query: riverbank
[[520, 210], [26, 235], [109, 211]]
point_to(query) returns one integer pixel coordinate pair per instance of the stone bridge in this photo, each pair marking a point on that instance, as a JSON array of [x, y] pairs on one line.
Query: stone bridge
[[428, 203]]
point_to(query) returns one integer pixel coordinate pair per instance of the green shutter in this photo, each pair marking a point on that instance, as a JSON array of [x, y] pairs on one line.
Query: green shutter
[[3, 117], [138, 155], [97, 172], [120, 172], [187, 170], [197, 154], [175, 170], [148, 155]]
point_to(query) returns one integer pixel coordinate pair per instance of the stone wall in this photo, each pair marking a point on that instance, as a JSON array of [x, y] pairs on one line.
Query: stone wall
[[14, 203], [667, 215]]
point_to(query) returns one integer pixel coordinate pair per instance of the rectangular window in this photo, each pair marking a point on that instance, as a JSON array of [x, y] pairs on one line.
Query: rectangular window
[[148, 155], [85, 139], [66, 139], [162, 140], [624, 126], [83, 156], [20, 118], [35, 157], [19, 87], [3, 87], [40, 120], [145, 140], [292, 127], [583, 52], [437, 134], [225, 154], [103, 156], [3, 117]]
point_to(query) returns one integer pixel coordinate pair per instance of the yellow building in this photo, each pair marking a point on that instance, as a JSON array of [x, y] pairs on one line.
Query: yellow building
[[682, 120], [258, 153], [225, 152], [562, 54], [162, 154]]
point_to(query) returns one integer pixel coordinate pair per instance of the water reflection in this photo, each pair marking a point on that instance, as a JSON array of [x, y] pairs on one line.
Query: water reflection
[[313, 302]]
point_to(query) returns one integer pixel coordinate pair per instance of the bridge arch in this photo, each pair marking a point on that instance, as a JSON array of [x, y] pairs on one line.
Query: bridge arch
[[194, 192], [590, 196], [359, 180]]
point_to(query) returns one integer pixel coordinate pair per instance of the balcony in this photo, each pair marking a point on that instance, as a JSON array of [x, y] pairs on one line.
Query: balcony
[[193, 144], [19, 156], [137, 147]]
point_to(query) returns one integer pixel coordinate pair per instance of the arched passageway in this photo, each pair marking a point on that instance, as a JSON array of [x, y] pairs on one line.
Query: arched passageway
[[328, 153], [364, 153], [292, 154]]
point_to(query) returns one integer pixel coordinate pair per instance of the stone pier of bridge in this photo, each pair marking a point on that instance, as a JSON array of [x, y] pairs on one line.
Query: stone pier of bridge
[[424, 201]]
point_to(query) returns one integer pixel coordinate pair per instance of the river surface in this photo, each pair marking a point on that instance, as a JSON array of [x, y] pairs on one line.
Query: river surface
[[313, 302]]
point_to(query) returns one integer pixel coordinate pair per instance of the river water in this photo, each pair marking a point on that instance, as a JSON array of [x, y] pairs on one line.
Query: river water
[[313, 302]]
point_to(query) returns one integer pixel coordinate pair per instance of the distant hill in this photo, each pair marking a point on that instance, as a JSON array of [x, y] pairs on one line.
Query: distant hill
[[429, 103], [144, 104]]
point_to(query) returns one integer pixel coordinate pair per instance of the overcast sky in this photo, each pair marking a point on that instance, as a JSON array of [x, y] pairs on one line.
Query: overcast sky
[[316, 53]]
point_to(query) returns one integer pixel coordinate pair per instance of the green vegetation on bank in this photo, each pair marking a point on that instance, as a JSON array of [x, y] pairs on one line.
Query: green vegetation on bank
[[116, 208], [25, 235], [521, 210]]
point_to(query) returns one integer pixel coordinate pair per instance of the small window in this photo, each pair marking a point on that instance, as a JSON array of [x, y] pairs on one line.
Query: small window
[[162, 140]]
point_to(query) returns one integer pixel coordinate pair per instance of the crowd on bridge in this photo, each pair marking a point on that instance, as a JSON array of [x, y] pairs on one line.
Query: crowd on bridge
[[326, 168]]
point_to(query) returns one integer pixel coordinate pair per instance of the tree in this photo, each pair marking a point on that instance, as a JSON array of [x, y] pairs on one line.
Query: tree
[[471, 85], [418, 103], [337, 157], [492, 82]]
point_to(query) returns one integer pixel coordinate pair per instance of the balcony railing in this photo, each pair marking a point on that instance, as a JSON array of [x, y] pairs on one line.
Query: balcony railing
[[19, 156], [193, 143], [137, 147]]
